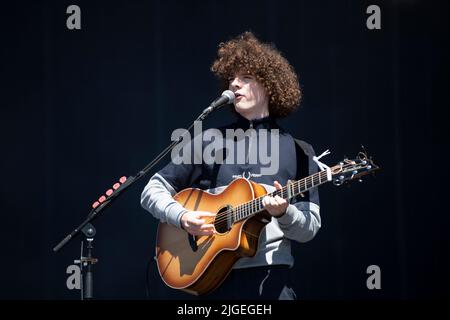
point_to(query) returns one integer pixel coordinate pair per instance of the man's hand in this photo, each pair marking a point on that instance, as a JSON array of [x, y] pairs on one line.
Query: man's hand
[[276, 206], [194, 222]]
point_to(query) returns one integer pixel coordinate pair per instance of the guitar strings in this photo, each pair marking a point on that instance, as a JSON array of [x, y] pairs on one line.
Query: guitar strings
[[254, 203]]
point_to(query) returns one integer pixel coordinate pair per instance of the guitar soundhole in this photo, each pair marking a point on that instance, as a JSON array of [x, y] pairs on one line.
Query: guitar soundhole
[[224, 220]]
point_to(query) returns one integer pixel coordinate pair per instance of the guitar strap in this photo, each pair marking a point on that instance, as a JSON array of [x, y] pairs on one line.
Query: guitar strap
[[305, 165]]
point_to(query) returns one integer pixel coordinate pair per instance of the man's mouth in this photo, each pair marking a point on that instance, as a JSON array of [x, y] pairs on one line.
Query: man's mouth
[[237, 96]]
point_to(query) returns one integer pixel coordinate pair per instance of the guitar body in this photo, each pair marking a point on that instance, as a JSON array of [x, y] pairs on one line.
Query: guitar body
[[200, 264]]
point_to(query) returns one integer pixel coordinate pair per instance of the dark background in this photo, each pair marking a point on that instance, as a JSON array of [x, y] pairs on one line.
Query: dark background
[[80, 108]]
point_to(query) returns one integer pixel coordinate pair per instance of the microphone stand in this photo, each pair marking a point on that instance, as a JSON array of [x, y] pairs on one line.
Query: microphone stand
[[94, 213], [86, 281]]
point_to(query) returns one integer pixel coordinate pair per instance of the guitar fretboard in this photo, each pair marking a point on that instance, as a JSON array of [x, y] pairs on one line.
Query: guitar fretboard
[[289, 191]]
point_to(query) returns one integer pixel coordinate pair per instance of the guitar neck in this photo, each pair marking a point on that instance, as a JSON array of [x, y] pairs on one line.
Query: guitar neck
[[288, 192]]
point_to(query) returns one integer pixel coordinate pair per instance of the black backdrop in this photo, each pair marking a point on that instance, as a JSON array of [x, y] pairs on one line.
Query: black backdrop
[[80, 108]]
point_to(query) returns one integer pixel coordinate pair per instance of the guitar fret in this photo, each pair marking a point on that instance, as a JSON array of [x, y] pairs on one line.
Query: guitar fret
[[291, 189]]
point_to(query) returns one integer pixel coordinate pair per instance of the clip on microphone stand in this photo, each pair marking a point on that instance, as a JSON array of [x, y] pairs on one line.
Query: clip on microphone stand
[[89, 230]]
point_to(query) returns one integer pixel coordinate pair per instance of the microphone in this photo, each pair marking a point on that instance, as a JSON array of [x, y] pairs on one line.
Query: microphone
[[227, 97]]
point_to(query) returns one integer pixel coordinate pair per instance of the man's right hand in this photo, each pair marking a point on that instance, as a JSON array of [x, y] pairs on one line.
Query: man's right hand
[[194, 222]]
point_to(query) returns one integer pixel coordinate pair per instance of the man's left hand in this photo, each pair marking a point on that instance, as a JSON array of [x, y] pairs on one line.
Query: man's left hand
[[276, 206]]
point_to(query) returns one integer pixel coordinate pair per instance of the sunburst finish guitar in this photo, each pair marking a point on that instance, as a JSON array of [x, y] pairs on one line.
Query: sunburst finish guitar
[[199, 264]]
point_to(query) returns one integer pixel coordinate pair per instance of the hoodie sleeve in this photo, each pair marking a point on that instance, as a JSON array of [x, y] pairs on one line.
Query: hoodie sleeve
[[180, 173], [157, 199], [301, 222]]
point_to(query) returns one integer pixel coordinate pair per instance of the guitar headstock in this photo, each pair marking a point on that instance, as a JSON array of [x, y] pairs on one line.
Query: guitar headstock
[[352, 169]]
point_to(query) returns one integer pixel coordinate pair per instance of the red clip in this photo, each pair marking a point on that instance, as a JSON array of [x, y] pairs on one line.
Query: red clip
[[95, 204], [123, 179], [109, 192], [116, 186], [102, 199]]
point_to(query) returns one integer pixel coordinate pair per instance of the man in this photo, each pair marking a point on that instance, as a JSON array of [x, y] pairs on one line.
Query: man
[[266, 88]]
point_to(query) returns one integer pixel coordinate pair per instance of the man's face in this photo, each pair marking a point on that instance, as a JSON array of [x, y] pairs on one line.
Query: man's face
[[251, 98]]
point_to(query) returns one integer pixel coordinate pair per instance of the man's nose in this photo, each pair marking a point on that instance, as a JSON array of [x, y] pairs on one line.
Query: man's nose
[[235, 84]]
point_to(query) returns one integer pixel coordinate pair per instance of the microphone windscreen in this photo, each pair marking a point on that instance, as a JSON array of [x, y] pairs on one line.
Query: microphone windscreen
[[230, 95]]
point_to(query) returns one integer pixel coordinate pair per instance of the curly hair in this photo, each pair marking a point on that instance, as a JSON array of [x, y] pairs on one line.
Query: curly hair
[[246, 53]]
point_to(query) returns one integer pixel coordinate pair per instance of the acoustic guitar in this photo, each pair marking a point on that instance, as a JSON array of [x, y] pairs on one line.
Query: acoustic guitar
[[199, 264]]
